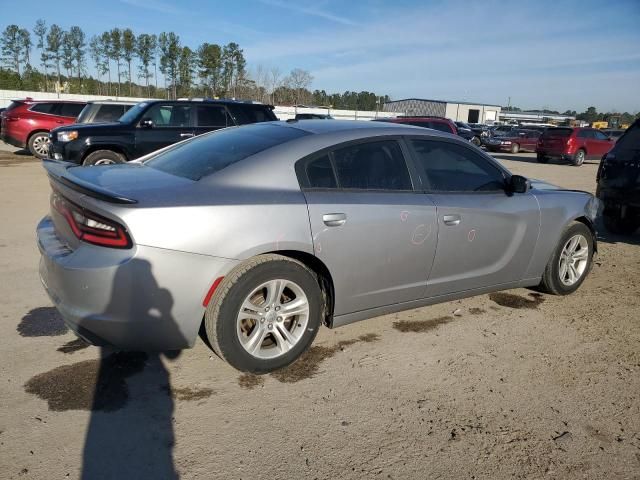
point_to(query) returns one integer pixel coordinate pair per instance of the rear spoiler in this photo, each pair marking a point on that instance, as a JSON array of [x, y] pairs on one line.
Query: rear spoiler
[[58, 172]]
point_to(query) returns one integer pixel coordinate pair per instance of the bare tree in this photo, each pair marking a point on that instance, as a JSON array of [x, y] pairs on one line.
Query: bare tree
[[275, 81], [299, 80]]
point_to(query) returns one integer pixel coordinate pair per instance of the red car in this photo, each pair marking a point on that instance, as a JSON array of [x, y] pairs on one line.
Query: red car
[[514, 141], [26, 123], [573, 144], [436, 123]]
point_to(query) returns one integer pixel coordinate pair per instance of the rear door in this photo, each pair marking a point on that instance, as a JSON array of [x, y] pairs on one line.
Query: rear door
[[171, 123], [485, 236], [373, 231], [530, 140], [211, 117]]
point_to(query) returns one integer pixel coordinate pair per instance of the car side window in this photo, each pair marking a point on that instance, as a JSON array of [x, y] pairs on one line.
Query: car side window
[[70, 109], [212, 116], [584, 134], [320, 173], [598, 135], [43, 108], [108, 113], [169, 115], [372, 166], [449, 167]]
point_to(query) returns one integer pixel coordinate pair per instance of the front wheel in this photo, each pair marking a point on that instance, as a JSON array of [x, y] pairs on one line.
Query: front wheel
[[265, 313], [515, 148], [103, 157], [476, 141], [570, 262]]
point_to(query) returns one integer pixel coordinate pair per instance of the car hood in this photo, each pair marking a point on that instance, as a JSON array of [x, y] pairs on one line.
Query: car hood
[[86, 129], [542, 185]]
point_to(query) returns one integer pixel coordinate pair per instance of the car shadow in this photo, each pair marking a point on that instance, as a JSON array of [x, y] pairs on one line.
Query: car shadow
[[133, 439], [605, 236]]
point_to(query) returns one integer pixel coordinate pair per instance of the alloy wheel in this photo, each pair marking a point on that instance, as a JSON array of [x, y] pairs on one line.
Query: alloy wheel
[[41, 145], [574, 260], [273, 319]]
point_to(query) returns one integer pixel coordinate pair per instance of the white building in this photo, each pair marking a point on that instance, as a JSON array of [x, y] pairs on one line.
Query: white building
[[460, 111]]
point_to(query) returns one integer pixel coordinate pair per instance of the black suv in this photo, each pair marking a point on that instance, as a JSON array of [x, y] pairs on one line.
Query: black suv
[[149, 126], [619, 183]]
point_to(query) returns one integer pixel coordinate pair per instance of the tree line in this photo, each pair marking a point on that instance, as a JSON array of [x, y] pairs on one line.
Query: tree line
[[126, 64], [590, 115]]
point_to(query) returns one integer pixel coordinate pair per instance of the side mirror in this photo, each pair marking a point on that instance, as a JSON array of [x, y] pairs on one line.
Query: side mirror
[[519, 184], [146, 123]]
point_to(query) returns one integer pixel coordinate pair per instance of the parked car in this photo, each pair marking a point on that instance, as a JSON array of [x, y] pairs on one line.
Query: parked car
[[619, 183], [613, 133], [515, 141], [468, 133], [262, 233], [480, 129], [26, 123], [104, 111], [572, 144], [313, 116], [149, 126], [436, 123], [1, 110], [501, 129]]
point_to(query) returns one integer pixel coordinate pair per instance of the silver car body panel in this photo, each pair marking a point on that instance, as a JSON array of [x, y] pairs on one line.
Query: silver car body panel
[[393, 252]]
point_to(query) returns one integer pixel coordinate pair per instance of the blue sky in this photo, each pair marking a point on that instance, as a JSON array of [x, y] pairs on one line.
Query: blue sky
[[555, 54]]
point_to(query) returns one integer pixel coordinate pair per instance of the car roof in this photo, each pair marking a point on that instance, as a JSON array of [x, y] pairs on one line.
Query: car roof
[[113, 102], [221, 101], [361, 128]]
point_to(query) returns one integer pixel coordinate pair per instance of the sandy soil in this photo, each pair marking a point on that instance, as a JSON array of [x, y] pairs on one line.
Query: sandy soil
[[515, 385]]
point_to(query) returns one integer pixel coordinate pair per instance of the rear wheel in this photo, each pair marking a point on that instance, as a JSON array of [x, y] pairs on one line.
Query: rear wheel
[[515, 148], [579, 157], [476, 141], [103, 157], [542, 158], [620, 221], [38, 144], [264, 314], [570, 262]]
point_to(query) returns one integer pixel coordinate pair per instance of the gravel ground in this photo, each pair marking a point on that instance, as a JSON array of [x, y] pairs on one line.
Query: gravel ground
[[514, 385]]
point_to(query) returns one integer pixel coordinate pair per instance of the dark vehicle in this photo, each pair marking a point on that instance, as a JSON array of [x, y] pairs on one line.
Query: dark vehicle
[[104, 111], [1, 110], [313, 116], [501, 129], [150, 126], [27, 123], [480, 129], [466, 132], [514, 141], [572, 144], [619, 183], [613, 133], [436, 123]]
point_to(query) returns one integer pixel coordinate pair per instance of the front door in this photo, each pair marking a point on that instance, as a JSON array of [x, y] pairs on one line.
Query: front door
[[375, 234], [162, 125], [600, 144], [485, 236]]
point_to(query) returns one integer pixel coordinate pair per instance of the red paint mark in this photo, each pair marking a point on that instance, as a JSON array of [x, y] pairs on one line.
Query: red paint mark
[[214, 285], [472, 235], [404, 215]]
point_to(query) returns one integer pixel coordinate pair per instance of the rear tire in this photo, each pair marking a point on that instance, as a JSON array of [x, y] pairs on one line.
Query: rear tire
[[515, 148], [103, 157], [542, 158], [38, 145], [476, 141], [559, 280], [578, 158], [615, 222], [247, 290]]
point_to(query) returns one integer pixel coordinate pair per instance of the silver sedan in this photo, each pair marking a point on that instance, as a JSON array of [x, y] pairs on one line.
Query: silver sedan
[[260, 234]]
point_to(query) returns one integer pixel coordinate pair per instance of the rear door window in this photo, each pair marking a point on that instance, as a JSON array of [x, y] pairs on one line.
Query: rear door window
[[171, 115], [252, 114], [372, 166], [598, 135], [70, 109], [449, 167], [43, 108]]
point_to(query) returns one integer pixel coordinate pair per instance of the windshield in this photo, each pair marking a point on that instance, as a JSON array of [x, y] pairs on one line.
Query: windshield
[[133, 113], [210, 153]]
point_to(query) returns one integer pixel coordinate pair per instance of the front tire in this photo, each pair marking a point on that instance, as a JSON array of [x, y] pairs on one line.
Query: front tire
[[570, 262], [515, 148], [38, 145], [265, 313], [103, 157], [476, 141]]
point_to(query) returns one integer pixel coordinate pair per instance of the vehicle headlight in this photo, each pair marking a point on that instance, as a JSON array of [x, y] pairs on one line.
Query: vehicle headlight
[[505, 143], [67, 136]]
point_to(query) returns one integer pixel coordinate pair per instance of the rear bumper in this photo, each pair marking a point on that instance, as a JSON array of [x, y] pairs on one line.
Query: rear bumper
[[557, 155], [144, 298], [12, 140]]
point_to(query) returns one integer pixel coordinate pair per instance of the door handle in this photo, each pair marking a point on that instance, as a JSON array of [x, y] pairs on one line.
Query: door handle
[[59, 121], [186, 135], [334, 219], [451, 219]]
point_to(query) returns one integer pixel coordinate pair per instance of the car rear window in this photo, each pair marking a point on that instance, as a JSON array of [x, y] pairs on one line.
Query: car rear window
[[13, 105], [211, 153], [557, 132], [43, 108]]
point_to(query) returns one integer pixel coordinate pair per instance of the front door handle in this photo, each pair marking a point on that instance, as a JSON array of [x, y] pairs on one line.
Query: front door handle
[[186, 135], [451, 219], [334, 219]]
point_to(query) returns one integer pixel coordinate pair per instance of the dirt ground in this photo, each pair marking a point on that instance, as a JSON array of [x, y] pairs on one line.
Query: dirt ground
[[513, 385]]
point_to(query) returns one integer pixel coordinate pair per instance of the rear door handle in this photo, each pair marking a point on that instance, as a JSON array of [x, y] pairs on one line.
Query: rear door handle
[[186, 135], [334, 219], [451, 219]]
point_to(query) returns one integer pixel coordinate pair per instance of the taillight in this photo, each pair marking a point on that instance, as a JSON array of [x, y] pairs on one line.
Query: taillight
[[90, 227], [571, 142]]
